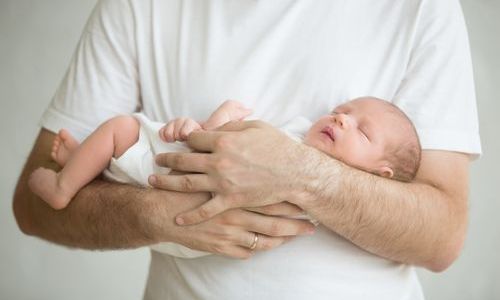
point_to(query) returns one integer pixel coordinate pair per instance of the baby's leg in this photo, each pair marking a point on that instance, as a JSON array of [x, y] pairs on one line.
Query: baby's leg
[[111, 139], [63, 146]]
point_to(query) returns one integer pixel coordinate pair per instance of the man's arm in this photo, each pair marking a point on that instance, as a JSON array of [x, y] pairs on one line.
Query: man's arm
[[107, 215], [103, 215], [420, 223]]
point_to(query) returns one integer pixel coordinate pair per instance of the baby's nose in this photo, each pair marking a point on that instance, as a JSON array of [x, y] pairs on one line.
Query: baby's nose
[[342, 120]]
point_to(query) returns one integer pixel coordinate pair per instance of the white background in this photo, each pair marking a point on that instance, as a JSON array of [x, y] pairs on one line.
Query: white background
[[37, 39]]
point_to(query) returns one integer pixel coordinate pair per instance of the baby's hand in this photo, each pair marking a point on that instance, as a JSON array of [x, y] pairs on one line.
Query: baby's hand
[[178, 129]]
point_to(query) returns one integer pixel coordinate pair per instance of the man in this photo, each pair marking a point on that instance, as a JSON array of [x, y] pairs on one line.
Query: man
[[282, 58]]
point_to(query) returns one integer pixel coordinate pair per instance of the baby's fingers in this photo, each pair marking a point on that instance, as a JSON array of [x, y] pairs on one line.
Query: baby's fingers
[[167, 132], [188, 127], [178, 124]]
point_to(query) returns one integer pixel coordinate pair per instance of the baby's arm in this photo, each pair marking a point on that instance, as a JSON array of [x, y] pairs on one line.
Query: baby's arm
[[228, 111], [179, 129]]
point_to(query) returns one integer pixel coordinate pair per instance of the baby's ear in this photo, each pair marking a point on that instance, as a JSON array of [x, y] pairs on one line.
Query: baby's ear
[[385, 172]]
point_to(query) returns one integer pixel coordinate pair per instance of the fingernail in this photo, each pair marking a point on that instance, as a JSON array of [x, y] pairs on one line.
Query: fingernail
[[311, 231], [179, 221], [152, 179]]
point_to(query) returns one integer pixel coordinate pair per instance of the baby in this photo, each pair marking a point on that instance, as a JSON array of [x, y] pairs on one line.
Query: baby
[[367, 133]]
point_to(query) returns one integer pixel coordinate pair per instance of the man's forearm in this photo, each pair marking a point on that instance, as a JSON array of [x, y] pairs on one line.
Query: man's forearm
[[416, 223], [107, 215], [103, 215]]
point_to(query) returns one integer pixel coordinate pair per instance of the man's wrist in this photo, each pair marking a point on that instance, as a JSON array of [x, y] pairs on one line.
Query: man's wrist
[[317, 177], [154, 220], [158, 222]]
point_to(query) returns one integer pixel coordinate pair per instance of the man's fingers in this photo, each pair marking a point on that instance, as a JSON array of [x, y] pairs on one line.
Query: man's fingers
[[187, 162], [265, 242], [278, 226], [239, 252], [204, 212], [241, 125], [182, 183], [209, 141], [262, 242], [204, 141], [279, 209]]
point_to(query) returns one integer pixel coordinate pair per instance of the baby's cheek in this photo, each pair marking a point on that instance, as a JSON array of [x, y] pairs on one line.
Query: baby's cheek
[[359, 157], [309, 138]]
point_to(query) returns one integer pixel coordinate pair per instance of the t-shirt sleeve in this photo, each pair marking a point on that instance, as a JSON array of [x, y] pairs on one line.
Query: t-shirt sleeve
[[102, 79], [437, 92]]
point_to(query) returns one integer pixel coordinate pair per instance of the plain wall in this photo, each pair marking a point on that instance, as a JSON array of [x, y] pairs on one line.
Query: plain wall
[[37, 39]]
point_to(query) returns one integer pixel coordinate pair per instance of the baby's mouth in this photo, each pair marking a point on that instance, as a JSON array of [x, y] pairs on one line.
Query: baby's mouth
[[329, 131]]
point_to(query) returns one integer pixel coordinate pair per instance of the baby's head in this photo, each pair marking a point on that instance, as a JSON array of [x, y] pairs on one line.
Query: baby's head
[[370, 134]]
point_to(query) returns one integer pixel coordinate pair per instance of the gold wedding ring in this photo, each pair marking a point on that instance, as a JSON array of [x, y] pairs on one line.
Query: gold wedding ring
[[255, 241]]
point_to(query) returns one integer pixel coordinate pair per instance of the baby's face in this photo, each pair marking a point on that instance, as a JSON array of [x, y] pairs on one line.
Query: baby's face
[[357, 133]]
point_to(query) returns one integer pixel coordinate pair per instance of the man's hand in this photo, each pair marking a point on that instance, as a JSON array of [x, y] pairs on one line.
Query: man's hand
[[232, 233], [246, 166]]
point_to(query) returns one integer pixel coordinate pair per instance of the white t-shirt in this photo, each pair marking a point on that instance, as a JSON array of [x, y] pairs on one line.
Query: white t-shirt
[[282, 58]]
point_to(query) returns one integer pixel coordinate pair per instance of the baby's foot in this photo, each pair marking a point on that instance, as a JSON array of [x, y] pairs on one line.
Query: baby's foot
[[64, 144], [45, 184]]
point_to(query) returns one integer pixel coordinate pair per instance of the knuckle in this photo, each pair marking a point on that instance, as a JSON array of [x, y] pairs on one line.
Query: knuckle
[[204, 212], [226, 185], [187, 184], [160, 180], [178, 160], [227, 219], [224, 234], [270, 210], [222, 142], [222, 164], [219, 249]]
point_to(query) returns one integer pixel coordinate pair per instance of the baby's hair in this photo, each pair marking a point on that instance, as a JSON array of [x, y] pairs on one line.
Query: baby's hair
[[404, 158]]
